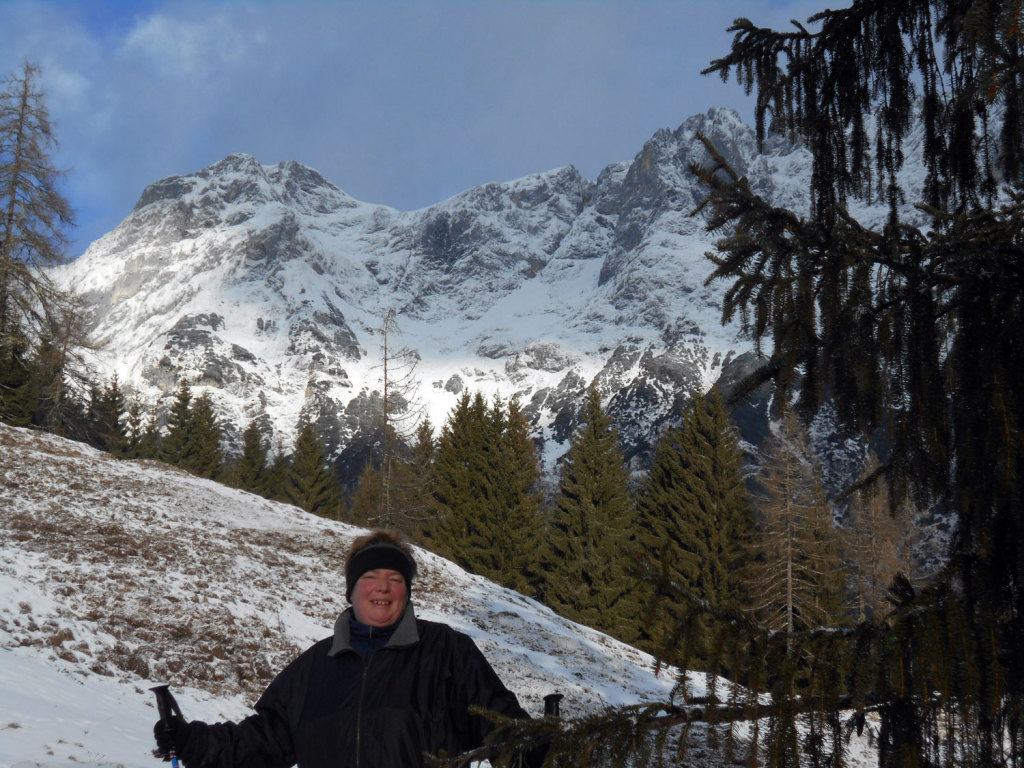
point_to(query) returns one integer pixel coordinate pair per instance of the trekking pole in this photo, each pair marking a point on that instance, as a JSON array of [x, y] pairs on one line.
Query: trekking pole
[[167, 707]]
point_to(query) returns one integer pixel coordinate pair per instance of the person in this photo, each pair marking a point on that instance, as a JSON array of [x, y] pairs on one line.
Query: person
[[385, 691]]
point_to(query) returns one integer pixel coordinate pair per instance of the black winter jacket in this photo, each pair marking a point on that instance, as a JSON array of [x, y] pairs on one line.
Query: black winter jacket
[[331, 708]]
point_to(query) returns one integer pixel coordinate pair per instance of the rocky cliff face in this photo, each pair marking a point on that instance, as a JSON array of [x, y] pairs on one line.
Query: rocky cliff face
[[267, 287]]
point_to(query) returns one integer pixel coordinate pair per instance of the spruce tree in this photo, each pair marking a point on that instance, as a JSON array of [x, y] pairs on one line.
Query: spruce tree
[[695, 518], [142, 433], [152, 440], [518, 526], [19, 383], [176, 444], [461, 490], [203, 454], [277, 477], [94, 417], [61, 379], [484, 476], [108, 416], [193, 435], [133, 429], [409, 496], [913, 332], [250, 471], [588, 536], [419, 510], [365, 504], [309, 482]]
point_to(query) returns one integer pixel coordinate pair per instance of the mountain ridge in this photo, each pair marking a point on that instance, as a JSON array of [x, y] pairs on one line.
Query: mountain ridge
[[266, 286]]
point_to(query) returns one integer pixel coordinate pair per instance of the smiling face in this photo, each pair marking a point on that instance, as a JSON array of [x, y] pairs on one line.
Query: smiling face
[[379, 597]]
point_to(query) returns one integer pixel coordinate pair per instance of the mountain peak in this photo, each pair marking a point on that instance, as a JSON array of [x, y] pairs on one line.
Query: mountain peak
[[240, 178], [236, 162], [169, 188]]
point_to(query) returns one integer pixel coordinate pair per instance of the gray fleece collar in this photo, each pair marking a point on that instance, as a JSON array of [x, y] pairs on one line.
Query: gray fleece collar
[[405, 633]]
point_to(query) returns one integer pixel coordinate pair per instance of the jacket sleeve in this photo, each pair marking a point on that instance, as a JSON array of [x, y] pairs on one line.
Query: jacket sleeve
[[262, 740], [479, 685], [259, 741]]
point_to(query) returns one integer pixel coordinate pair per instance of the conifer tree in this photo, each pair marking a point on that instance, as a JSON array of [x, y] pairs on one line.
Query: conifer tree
[[461, 490], [133, 429], [408, 489], [33, 216], [795, 570], [61, 380], [365, 503], [518, 527], [484, 473], [203, 455], [588, 536], [19, 382], [419, 510], [398, 415], [142, 433], [695, 517], [914, 332], [878, 546], [309, 482], [193, 435], [250, 471], [94, 417], [175, 446], [115, 411], [107, 411], [277, 477]]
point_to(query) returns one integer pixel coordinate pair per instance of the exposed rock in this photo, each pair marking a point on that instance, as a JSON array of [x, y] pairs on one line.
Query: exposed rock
[[454, 385]]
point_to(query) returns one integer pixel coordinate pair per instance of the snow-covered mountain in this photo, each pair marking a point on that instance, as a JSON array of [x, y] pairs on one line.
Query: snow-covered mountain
[[116, 576], [267, 286]]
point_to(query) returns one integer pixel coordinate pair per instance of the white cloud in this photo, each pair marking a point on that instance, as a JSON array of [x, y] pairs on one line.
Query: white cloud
[[189, 45]]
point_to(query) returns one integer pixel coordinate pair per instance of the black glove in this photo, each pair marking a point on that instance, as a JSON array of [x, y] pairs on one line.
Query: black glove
[[171, 736]]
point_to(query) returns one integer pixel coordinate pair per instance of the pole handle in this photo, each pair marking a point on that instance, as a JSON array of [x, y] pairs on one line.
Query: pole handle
[[551, 702], [168, 707], [166, 704]]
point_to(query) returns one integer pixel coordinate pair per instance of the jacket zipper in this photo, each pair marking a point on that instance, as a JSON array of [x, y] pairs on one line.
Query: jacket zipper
[[362, 696]]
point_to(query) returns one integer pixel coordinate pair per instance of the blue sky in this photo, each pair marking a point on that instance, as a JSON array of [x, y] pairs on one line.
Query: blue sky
[[397, 102]]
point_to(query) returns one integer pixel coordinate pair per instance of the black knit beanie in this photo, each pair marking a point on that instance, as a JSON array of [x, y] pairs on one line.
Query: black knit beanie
[[381, 554]]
